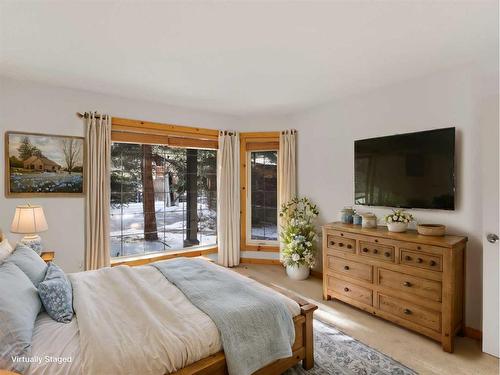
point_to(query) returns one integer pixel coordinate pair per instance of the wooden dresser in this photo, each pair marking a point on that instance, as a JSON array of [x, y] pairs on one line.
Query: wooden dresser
[[412, 280]]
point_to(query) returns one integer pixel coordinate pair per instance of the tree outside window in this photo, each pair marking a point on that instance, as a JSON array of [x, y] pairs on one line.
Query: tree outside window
[[162, 198]]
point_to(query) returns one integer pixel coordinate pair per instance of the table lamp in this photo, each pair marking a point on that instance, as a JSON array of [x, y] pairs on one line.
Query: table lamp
[[30, 220]]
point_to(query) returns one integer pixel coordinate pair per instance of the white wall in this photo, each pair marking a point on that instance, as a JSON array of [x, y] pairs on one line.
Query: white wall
[[326, 152], [34, 107]]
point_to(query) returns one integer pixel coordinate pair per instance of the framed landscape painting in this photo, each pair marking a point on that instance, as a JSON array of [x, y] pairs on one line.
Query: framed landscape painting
[[43, 165]]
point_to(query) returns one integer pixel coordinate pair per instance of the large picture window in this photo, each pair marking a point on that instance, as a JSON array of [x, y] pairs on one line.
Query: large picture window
[[163, 198]]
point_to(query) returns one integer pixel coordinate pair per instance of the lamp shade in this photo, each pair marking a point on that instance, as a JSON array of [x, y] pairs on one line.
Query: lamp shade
[[29, 219]]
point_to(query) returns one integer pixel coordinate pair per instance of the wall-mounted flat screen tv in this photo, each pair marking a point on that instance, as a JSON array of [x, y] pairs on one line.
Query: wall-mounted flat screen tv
[[413, 170]]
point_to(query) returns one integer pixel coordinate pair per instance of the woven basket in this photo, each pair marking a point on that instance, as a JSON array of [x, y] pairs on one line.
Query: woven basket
[[431, 229]]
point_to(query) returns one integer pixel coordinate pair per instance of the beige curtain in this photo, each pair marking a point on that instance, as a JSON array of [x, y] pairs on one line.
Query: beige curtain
[[98, 169], [228, 199], [287, 169]]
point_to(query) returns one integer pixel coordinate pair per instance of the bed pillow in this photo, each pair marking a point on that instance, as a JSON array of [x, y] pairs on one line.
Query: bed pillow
[[19, 307], [56, 294], [29, 262], [5, 249]]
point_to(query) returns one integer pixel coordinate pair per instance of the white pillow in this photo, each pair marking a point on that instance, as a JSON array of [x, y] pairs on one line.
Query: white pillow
[[5, 249]]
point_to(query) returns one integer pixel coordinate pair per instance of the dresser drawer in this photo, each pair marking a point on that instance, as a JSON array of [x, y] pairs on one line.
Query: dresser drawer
[[416, 259], [429, 249], [353, 291], [341, 243], [410, 284], [352, 269], [409, 311], [377, 251]]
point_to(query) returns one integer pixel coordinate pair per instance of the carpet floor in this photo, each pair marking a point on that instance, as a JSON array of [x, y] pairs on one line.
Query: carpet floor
[[336, 353]]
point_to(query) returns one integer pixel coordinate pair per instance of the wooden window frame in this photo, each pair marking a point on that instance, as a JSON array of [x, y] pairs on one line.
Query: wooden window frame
[[254, 141], [136, 131]]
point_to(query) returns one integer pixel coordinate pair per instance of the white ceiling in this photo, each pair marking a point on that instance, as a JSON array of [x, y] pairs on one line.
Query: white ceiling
[[240, 57]]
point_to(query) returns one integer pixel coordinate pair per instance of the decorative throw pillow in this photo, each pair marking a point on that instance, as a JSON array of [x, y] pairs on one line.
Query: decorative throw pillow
[[19, 307], [5, 249], [56, 294], [29, 262]]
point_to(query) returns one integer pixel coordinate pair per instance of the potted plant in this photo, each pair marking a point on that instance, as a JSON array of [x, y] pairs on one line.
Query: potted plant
[[398, 221], [298, 236]]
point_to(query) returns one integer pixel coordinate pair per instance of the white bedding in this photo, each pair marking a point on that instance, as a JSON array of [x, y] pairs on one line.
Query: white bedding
[[55, 340], [129, 321]]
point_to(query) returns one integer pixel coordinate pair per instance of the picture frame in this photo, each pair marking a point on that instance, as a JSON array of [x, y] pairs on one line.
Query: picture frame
[[44, 165]]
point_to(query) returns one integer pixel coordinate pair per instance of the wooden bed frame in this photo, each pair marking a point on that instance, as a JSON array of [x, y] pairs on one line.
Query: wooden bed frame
[[303, 347]]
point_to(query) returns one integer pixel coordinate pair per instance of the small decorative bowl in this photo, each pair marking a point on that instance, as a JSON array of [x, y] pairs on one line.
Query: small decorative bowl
[[431, 229]]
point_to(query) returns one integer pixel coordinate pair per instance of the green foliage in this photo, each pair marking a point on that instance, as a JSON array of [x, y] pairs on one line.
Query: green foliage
[[298, 232], [15, 162], [26, 149], [126, 173]]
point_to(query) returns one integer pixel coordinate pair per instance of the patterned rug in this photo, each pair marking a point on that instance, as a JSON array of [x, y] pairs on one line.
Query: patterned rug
[[335, 353]]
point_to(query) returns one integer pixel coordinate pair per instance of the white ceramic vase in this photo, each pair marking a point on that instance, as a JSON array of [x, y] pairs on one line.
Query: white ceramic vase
[[300, 272], [397, 227]]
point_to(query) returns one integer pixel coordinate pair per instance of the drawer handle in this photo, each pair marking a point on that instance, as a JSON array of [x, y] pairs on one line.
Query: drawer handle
[[365, 250], [387, 254], [342, 234], [346, 289], [341, 244], [349, 246], [375, 251], [407, 311], [419, 248], [419, 260], [376, 240], [346, 268], [408, 258], [432, 263], [407, 283], [332, 243]]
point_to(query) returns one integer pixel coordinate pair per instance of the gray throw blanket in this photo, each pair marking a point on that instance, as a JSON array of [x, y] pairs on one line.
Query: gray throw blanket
[[256, 328]]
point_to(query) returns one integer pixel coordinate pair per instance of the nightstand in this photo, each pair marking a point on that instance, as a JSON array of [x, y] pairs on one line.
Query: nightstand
[[48, 256]]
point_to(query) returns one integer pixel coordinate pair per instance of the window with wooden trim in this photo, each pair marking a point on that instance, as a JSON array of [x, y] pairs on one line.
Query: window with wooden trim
[[259, 191], [262, 205], [163, 195]]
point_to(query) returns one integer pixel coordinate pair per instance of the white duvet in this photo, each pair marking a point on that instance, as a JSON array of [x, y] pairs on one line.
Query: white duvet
[[128, 321]]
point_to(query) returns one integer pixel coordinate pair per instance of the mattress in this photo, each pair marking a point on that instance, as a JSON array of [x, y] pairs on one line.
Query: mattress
[[56, 346]]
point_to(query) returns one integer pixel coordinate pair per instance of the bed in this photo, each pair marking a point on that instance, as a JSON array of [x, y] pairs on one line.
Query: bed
[[138, 336]]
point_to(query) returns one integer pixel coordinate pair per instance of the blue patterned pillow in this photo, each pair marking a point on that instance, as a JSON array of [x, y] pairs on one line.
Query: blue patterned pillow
[[56, 294]]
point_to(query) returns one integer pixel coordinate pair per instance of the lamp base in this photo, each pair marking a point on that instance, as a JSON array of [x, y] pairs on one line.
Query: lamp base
[[34, 242]]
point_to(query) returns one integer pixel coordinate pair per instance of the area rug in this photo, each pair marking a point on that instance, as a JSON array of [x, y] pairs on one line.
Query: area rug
[[335, 353]]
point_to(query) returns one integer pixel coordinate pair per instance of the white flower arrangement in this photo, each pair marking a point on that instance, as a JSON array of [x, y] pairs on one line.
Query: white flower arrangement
[[399, 216], [298, 233]]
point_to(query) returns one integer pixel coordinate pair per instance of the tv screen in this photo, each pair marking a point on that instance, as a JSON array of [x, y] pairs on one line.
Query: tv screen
[[413, 170]]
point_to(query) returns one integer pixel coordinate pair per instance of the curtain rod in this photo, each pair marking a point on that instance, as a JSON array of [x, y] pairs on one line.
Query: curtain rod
[[86, 114]]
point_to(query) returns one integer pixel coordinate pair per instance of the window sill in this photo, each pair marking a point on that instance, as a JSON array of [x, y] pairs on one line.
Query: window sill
[[150, 258], [260, 247]]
